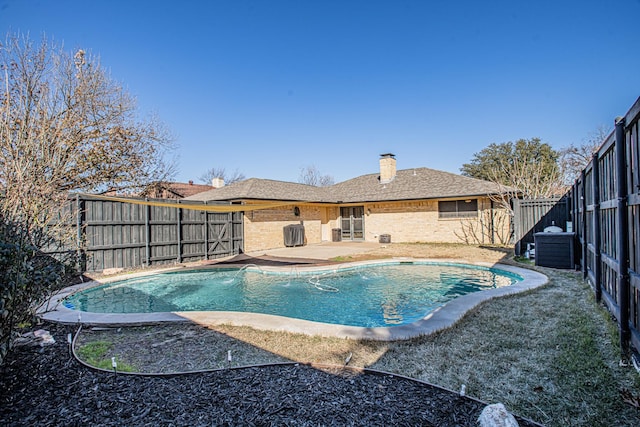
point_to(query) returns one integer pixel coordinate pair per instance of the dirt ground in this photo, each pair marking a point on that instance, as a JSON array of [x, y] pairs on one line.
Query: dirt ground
[[437, 251]]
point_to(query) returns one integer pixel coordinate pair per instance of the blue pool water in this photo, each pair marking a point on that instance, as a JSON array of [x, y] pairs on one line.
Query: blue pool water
[[370, 296]]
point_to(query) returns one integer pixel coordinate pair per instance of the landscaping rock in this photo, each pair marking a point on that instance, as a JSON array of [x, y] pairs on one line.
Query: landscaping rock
[[496, 415], [36, 338], [44, 336]]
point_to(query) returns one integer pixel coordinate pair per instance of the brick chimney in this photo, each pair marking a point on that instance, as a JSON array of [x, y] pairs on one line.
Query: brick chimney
[[387, 168]]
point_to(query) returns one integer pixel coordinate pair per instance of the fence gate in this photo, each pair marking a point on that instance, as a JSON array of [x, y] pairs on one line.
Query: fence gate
[[115, 234], [224, 234]]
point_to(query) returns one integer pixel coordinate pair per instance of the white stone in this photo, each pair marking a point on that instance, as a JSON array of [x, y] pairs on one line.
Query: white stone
[[496, 415], [47, 339]]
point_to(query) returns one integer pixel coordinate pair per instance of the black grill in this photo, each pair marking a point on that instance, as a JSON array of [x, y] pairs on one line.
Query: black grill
[[294, 235]]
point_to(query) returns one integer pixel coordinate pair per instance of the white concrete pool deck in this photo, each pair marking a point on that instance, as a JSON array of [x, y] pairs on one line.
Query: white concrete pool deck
[[322, 251], [439, 319]]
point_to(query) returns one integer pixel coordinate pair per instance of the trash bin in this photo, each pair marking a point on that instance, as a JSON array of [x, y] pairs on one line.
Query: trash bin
[[385, 238], [336, 235]]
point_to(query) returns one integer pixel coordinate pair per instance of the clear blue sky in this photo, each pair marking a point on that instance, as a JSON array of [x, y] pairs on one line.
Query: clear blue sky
[[268, 87]]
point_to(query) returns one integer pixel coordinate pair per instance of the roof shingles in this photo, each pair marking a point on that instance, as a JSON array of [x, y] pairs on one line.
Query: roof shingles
[[262, 189], [408, 184]]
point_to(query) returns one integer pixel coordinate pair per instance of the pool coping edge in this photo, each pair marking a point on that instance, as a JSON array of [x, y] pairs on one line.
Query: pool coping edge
[[441, 318]]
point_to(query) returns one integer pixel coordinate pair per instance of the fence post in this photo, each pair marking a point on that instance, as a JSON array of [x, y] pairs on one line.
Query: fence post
[[147, 228], [597, 268], [517, 233], [179, 231], [623, 235], [575, 199], [206, 233], [583, 224], [231, 236], [82, 254]]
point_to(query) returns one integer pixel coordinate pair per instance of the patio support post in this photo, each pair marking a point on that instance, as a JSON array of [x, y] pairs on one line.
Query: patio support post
[[623, 235]]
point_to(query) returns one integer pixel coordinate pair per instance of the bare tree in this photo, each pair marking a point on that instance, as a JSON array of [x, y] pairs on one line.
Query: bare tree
[[66, 126], [573, 159], [491, 227], [525, 169], [528, 180], [228, 178], [310, 175]]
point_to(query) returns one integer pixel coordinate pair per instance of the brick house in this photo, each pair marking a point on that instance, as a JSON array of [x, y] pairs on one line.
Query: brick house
[[411, 205]]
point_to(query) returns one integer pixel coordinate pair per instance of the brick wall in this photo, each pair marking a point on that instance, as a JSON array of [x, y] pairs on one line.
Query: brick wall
[[263, 229], [404, 221], [413, 222]]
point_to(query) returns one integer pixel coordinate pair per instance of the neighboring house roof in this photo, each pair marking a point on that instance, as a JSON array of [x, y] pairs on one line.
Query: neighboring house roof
[[262, 189], [177, 190], [408, 184]]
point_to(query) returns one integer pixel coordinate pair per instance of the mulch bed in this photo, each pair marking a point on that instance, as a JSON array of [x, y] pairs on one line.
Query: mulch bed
[[45, 386]]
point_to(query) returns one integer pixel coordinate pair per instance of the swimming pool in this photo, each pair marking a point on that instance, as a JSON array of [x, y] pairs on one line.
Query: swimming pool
[[369, 296]]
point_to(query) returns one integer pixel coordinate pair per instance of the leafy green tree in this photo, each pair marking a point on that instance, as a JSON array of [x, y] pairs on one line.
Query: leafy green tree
[[526, 168]]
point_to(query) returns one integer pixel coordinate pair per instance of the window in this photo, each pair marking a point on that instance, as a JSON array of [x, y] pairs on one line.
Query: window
[[458, 208]]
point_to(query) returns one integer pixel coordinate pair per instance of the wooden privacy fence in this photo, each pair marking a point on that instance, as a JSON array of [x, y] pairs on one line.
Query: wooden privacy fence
[[606, 212], [117, 234], [532, 216]]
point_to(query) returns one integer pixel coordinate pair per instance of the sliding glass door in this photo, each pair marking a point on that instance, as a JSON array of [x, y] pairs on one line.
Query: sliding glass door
[[352, 222]]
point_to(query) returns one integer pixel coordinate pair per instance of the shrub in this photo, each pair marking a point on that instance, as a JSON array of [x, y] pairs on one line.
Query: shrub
[[27, 276]]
